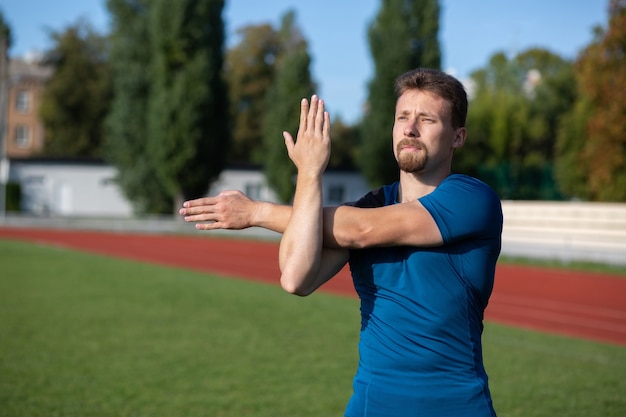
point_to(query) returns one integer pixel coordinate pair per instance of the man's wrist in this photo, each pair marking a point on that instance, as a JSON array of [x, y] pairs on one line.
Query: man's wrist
[[261, 214], [270, 216]]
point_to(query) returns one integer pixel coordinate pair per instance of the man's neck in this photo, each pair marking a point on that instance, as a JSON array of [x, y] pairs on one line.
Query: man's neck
[[417, 185]]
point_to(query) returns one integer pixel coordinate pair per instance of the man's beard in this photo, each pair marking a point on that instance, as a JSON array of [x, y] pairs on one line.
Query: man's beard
[[414, 161]]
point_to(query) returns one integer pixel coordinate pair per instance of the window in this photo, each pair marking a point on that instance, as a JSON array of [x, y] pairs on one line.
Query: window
[[34, 180], [336, 194], [22, 102], [253, 190], [22, 136]]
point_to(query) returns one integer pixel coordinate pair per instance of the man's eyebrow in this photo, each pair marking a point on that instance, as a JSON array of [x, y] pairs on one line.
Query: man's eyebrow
[[420, 113]]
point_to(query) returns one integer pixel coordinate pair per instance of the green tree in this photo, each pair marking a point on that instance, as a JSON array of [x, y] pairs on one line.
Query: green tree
[[512, 123], [77, 96], [345, 141], [402, 37], [126, 133], [597, 154], [5, 44], [188, 127], [251, 66], [5, 32], [571, 169], [292, 83]]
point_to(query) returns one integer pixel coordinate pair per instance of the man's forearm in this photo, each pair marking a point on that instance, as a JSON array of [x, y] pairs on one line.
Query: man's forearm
[[235, 211], [301, 245], [271, 216], [275, 217]]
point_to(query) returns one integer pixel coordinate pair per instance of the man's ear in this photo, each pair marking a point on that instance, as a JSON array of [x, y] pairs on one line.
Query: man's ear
[[459, 139]]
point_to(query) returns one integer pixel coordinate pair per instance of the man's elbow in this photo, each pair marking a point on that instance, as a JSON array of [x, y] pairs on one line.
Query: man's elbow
[[294, 286]]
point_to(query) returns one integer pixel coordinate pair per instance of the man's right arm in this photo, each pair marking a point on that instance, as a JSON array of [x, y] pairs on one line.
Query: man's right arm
[[408, 224], [235, 211]]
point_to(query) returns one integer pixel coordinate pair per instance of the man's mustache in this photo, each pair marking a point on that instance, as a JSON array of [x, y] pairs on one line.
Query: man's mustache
[[410, 142]]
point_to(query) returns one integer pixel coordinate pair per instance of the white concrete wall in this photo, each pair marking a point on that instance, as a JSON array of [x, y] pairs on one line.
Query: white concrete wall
[[251, 182], [567, 231], [347, 186], [72, 189]]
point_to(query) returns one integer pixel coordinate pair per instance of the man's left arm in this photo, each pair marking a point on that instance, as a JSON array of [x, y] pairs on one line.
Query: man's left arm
[[403, 224]]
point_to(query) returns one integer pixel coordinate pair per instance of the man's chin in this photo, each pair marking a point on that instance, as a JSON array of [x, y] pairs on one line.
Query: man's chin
[[411, 168]]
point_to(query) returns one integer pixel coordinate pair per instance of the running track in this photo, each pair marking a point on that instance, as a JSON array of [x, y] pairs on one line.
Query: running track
[[578, 304]]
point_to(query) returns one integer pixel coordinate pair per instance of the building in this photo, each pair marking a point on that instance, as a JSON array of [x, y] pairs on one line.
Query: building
[[72, 187], [24, 133], [339, 186]]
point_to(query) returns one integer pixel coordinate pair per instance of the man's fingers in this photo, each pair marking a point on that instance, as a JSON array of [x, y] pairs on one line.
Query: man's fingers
[[189, 211], [319, 117], [201, 217], [326, 129], [313, 113], [289, 143], [205, 201], [304, 112], [206, 226]]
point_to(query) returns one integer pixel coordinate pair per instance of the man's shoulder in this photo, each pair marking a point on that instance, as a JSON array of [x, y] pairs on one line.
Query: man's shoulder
[[465, 193], [462, 183], [465, 206], [378, 197], [465, 179]]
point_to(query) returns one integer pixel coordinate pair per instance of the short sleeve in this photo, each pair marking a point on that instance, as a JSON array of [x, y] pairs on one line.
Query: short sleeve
[[464, 207]]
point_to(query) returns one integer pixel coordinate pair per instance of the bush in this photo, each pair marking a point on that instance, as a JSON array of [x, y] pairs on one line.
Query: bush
[[13, 196]]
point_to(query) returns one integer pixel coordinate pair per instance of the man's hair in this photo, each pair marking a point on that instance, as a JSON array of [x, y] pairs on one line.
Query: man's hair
[[440, 84]]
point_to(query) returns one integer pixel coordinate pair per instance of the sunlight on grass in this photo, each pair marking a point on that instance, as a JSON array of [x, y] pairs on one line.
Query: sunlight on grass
[[87, 335]]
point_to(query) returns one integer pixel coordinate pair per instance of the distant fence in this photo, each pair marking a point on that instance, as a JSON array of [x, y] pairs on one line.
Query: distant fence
[[564, 231], [145, 224]]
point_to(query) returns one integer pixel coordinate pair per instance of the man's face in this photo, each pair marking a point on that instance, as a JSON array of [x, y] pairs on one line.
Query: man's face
[[423, 136]]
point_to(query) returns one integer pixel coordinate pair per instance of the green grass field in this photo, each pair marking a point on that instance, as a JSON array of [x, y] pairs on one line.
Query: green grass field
[[85, 335]]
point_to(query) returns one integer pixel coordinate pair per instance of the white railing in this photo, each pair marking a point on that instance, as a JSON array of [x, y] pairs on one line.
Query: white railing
[[566, 231]]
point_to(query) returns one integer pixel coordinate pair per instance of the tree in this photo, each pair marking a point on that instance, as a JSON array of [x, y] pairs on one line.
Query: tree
[[77, 96], [402, 37], [5, 44], [512, 123], [126, 124], [188, 127], [251, 70], [570, 169], [292, 83], [598, 152], [346, 140], [5, 32]]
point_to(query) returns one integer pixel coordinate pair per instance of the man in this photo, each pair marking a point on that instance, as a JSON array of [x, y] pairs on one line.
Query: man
[[422, 253]]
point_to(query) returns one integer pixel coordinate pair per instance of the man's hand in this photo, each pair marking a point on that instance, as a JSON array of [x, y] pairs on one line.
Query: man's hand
[[311, 151], [228, 210]]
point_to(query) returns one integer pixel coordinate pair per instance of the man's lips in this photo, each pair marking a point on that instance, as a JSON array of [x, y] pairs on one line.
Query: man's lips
[[410, 145]]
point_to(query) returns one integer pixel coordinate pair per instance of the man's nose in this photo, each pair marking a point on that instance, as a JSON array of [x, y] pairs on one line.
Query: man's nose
[[411, 130]]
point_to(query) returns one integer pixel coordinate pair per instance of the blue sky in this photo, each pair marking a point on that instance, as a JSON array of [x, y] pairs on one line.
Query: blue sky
[[470, 32]]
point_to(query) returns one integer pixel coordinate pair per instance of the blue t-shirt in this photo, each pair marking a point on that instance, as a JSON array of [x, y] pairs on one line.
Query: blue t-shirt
[[420, 351]]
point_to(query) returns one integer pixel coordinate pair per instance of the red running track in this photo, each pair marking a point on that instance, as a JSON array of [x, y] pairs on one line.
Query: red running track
[[579, 304]]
